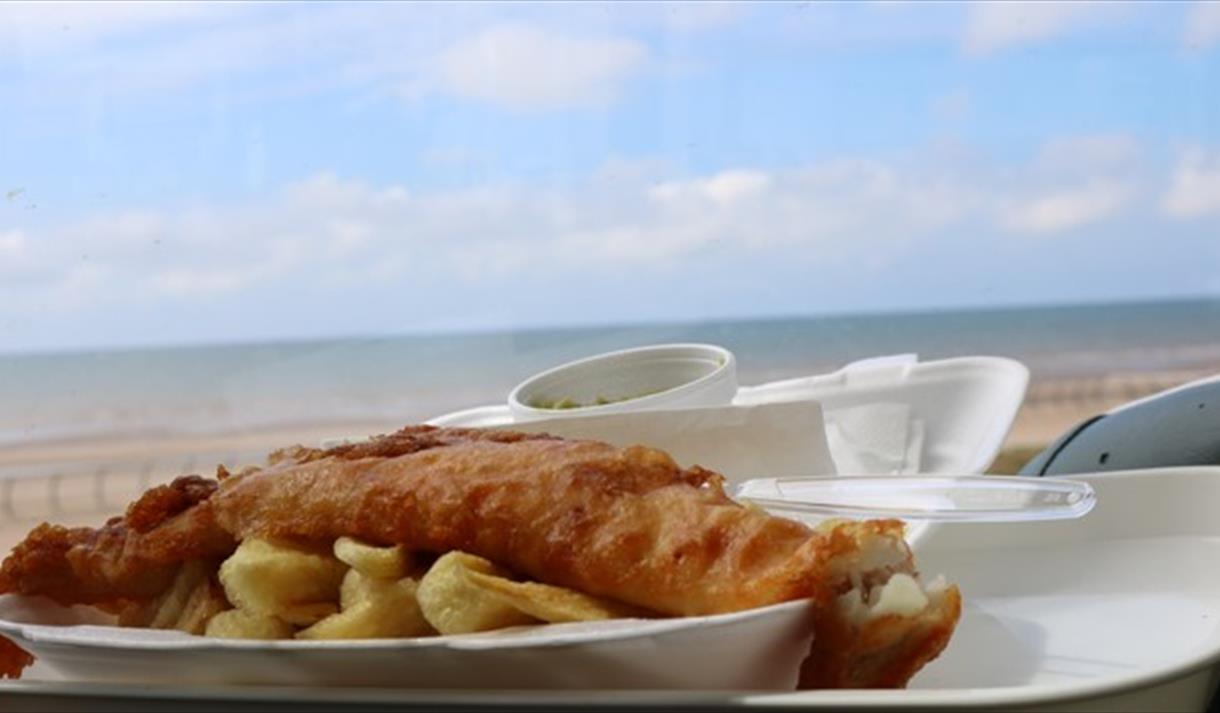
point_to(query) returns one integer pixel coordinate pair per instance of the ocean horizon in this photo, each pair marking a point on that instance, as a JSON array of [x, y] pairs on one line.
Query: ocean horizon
[[226, 388]]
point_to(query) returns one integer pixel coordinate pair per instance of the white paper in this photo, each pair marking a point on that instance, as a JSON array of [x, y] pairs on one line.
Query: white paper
[[875, 439]]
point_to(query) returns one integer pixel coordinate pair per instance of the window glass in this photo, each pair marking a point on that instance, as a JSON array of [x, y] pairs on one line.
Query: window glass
[[226, 227]]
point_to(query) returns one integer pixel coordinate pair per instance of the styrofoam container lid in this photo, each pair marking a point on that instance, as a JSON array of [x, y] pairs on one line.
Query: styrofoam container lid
[[960, 409]]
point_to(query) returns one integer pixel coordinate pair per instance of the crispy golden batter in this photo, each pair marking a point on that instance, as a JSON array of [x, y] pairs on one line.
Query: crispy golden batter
[[134, 557], [876, 652], [625, 524]]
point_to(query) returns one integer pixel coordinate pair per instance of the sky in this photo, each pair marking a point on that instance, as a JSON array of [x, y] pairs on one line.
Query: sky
[[187, 173]]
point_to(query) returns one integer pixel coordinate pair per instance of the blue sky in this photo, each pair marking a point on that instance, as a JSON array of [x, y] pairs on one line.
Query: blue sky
[[185, 173]]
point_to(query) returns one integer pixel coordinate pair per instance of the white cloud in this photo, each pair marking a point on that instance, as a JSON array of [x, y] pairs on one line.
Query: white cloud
[[266, 51], [1070, 182], [328, 192], [1202, 25], [992, 25], [12, 244], [1195, 187], [194, 281], [16, 263], [723, 187], [281, 48], [525, 67], [328, 232], [1062, 210], [1090, 154]]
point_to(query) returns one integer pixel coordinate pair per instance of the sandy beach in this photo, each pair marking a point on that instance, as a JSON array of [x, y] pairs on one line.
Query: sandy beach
[[1053, 405]]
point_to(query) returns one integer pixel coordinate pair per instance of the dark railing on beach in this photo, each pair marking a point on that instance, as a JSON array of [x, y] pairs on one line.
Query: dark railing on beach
[[87, 492]]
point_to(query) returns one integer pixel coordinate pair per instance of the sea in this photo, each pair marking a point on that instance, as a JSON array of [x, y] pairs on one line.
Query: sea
[[227, 388]]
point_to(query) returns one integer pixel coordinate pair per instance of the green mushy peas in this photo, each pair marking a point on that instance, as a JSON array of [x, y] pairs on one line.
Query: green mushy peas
[[564, 403], [568, 403]]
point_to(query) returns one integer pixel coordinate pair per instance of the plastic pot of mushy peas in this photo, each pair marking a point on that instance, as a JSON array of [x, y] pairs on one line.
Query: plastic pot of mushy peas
[[662, 376]]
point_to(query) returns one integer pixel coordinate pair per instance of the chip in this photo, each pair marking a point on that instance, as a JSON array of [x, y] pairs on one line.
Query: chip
[[245, 624], [384, 611], [390, 563], [205, 602], [453, 604], [295, 584], [190, 589], [548, 603], [357, 587]]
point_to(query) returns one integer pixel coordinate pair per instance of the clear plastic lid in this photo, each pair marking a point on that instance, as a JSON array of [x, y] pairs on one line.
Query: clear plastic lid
[[939, 498]]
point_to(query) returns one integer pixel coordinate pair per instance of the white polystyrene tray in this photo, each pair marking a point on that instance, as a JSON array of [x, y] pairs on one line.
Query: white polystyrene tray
[[964, 406], [680, 654], [1117, 611]]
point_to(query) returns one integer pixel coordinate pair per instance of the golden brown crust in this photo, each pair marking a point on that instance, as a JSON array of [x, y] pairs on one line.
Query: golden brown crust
[[414, 439], [884, 652], [165, 501], [881, 652], [108, 565], [405, 441]]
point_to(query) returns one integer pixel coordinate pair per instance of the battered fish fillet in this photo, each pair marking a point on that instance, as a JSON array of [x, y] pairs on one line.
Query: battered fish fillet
[[627, 524]]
